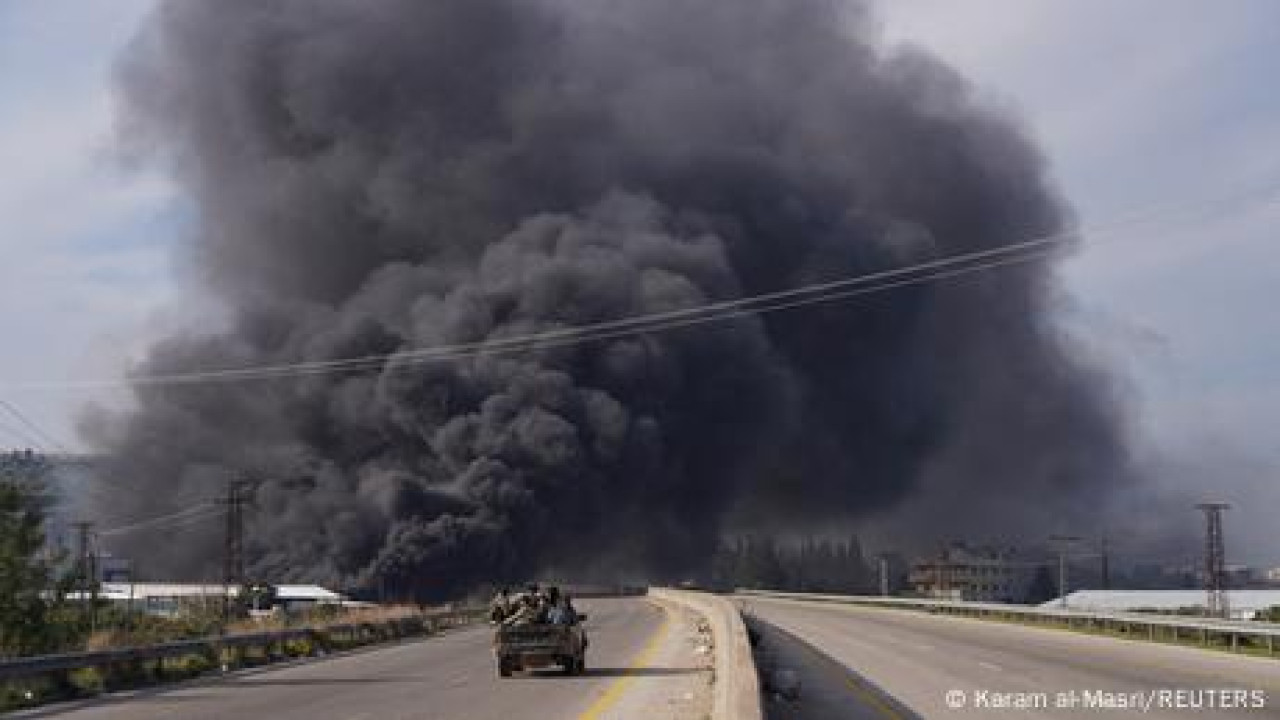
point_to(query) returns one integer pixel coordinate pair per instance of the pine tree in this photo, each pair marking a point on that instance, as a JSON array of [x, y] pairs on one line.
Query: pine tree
[[24, 564]]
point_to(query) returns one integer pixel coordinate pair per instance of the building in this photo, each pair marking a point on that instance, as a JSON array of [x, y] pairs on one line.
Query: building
[[1245, 604], [112, 569], [960, 572], [172, 599]]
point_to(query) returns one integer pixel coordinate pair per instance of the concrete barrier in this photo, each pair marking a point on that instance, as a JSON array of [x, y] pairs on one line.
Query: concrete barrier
[[736, 695]]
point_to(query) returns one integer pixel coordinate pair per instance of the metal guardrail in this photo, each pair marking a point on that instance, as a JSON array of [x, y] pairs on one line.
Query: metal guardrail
[[1154, 627], [214, 646]]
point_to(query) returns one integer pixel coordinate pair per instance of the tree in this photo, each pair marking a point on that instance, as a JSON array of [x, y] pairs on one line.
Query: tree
[[25, 566], [1271, 614], [760, 566]]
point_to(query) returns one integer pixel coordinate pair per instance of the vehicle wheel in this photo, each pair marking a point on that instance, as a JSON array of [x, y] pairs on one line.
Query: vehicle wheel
[[504, 667], [580, 665], [568, 664]]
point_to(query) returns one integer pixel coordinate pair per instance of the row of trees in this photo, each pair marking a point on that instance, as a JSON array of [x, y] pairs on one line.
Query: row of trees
[[809, 565]]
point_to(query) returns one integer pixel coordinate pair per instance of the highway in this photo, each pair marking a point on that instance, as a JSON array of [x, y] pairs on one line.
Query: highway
[[900, 664], [642, 664]]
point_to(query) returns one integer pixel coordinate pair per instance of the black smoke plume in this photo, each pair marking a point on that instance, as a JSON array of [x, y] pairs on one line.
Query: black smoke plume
[[370, 177]]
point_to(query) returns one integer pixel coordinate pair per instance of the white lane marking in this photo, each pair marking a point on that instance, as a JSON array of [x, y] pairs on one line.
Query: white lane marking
[[991, 666]]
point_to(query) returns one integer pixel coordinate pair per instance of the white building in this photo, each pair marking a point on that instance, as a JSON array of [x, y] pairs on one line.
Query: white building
[[172, 598], [1244, 603]]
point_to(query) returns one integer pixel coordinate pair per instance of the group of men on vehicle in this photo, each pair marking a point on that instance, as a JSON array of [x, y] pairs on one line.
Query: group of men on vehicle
[[533, 606]]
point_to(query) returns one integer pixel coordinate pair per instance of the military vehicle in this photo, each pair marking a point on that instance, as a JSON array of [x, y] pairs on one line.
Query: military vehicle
[[530, 646]]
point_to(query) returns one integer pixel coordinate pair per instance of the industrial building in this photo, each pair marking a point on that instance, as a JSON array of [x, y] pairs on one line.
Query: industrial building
[[170, 599], [1243, 604], [960, 572]]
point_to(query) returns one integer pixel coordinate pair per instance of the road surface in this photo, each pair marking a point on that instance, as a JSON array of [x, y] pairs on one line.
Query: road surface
[[634, 661], [900, 664]]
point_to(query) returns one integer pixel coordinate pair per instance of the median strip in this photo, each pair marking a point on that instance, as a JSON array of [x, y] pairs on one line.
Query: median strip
[[737, 686]]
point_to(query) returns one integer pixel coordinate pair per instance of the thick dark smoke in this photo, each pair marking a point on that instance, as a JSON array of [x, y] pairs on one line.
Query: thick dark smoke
[[377, 176]]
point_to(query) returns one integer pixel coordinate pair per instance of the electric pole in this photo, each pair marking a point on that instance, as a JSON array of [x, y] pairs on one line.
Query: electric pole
[[238, 495], [1215, 563], [1064, 543], [884, 574], [85, 575], [1106, 563], [939, 573]]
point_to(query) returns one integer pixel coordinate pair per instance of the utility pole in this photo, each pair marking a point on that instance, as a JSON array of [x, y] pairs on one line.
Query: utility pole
[[938, 572], [85, 576], [1215, 563], [1064, 543], [884, 574], [1106, 563], [238, 495]]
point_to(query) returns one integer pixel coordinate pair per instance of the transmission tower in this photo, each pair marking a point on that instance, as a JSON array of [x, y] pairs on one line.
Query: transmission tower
[[1215, 562], [233, 576]]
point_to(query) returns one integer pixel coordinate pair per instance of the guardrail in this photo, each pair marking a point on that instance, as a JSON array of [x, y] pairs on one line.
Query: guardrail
[[1229, 633], [736, 695], [226, 650]]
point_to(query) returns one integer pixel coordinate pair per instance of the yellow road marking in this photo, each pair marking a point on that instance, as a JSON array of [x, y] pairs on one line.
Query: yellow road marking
[[870, 698], [619, 687]]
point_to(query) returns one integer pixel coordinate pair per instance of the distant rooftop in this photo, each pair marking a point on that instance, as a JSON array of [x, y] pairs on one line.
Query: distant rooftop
[[1243, 602], [145, 590]]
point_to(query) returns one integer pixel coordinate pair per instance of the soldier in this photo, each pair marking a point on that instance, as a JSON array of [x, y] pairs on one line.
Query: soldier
[[500, 608], [562, 612], [529, 608]]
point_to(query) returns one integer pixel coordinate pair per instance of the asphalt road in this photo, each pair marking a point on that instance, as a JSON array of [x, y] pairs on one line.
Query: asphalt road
[[450, 677], [897, 664]]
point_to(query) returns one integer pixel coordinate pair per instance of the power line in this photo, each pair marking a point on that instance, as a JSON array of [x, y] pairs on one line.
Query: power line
[[36, 445], [679, 318], [29, 423], [831, 291], [24, 438], [183, 515]]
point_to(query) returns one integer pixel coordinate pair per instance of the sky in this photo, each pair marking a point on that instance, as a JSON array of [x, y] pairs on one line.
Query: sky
[[1158, 117]]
